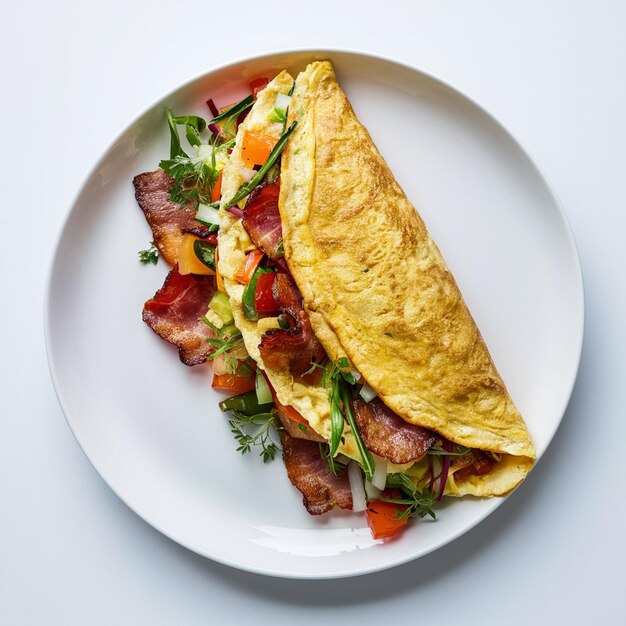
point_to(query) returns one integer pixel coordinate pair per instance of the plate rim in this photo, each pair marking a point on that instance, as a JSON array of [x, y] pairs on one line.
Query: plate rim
[[54, 259]]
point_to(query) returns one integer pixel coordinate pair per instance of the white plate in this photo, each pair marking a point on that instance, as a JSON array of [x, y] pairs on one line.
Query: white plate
[[151, 426]]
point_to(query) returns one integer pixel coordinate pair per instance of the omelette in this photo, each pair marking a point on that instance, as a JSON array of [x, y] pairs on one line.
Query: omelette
[[333, 315], [376, 290]]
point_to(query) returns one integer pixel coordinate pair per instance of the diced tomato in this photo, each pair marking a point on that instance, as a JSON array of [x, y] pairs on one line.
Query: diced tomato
[[264, 301], [216, 192], [257, 84], [382, 518], [256, 147], [212, 239], [245, 272], [232, 383]]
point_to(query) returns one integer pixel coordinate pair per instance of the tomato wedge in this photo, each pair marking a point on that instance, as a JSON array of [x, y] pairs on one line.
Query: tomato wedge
[[232, 383], [264, 301], [245, 272], [257, 84], [382, 518]]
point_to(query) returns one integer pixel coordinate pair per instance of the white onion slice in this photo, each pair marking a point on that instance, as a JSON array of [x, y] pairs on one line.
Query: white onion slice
[[247, 173], [282, 102], [373, 493], [207, 214], [356, 484], [205, 152], [436, 467], [379, 479], [367, 393]]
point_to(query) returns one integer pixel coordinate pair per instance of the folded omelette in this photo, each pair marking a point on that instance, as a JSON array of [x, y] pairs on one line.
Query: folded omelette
[[376, 292]]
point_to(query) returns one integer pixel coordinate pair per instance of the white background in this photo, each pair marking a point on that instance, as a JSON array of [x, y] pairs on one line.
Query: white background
[[74, 74]]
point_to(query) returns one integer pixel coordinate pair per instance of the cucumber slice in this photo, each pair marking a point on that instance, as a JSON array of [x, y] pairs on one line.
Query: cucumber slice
[[263, 393], [221, 305]]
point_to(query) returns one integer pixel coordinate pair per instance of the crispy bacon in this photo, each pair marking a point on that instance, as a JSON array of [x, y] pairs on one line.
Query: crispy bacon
[[388, 435], [295, 348], [167, 219], [175, 314], [262, 219], [308, 472]]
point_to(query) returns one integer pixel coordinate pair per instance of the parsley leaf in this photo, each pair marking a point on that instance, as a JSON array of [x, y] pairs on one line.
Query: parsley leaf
[[194, 177], [151, 255], [193, 180]]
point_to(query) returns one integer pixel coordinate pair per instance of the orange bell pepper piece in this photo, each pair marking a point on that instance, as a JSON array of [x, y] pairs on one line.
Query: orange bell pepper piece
[[188, 262], [256, 147], [245, 272], [216, 191]]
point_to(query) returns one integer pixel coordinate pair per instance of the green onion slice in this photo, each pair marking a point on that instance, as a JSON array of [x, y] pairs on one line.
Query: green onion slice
[[236, 109]]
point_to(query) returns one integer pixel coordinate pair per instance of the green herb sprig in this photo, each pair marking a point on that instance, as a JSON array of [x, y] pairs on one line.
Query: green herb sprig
[[235, 110], [151, 255], [417, 503], [193, 124], [439, 451], [254, 431], [224, 343], [194, 178]]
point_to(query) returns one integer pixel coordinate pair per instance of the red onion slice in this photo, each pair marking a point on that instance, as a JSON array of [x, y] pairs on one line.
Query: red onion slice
[[212, 107], [236, 211], [283, 265], [446, 467]]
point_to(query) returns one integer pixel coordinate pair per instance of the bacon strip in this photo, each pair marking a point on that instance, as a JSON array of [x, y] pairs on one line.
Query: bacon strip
[[262, 219], [307, 472], [175, 314], [388, 435], [292, 349], [167, 219]]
